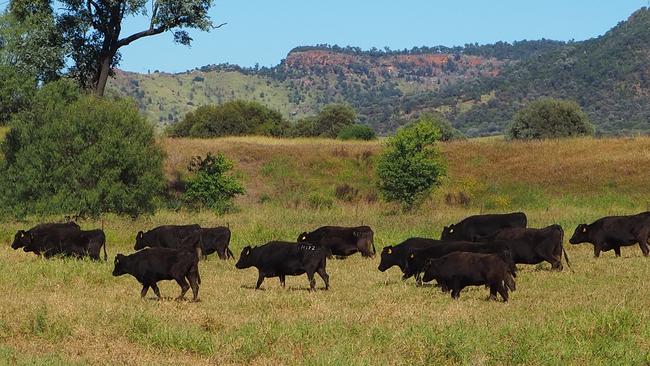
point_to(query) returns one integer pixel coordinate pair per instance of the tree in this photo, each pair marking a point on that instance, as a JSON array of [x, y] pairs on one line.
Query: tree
[[232, 118], [411, 165], [211, 185], [550, 118], [30, 40], [16, 92], [92, 30], [332, 118], [72, 153]]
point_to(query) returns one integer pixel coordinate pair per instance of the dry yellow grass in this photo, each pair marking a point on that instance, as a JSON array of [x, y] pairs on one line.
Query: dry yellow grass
[[66, 311]]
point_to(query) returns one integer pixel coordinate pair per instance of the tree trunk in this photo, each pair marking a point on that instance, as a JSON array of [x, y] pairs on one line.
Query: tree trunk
[[104, 71]]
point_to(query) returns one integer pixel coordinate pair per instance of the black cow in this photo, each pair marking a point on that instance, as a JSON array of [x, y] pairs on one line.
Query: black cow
[[151, 265], [281, 259], [397, 255], [614, 232], [87, 243], [457, 270], [47, 239], [476, 227], [535, 245], [217, 240], [167, 236], [418, 258], [342, 241]]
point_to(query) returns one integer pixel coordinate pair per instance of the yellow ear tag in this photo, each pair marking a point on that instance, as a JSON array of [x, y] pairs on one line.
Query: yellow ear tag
[[451, 231], [390, 251], [584, 229], [304, 238], [412, 256]]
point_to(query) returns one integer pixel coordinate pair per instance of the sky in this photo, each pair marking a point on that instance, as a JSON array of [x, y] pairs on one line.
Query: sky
[[263, 31]]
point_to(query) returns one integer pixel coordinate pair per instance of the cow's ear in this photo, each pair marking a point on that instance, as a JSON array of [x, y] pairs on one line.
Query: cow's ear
[[412, 256], [584, 229], [140, 234], [389, 251], [21, 233]]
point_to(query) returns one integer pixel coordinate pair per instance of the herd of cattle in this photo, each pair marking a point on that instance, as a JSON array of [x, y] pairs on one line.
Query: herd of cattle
[[479, 250]]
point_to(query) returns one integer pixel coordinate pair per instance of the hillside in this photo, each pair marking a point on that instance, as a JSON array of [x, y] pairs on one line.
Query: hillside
[[478, 87]]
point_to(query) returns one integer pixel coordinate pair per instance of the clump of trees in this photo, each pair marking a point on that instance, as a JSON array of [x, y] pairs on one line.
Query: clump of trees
[[71, 152], [411, 165], [550, 118], [447, 131], [234, 118]]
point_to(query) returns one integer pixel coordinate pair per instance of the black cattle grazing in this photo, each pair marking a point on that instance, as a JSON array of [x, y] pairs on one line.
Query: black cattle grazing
[[80, 244], [418, 258], [47, 239], [457, 270], [474, 228], [151, 265], [533, 246], [167, 236], [397, 255], [342, 241], [281, 259], [614, 232], [216, 240]]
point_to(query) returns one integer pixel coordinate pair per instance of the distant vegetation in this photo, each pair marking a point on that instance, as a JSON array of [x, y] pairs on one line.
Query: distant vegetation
[[356, 132], [478, 88], [550, 118], [212, 185]]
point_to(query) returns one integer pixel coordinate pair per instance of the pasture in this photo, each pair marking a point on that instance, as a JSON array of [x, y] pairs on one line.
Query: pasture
[[74, 312]]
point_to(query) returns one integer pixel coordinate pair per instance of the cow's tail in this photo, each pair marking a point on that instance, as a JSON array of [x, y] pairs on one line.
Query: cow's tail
[[105, 255], [229, 254], [566, 257]]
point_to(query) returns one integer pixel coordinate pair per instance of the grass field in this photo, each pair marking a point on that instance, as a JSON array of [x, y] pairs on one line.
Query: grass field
[[74, 312]]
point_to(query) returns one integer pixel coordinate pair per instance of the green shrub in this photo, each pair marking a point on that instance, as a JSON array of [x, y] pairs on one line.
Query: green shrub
[[16, 92], [75, 153], [317, 201], [411, 165], [550, 118], [447, 131], [211, 186], [233, 118], [357, 132], [333, 118]]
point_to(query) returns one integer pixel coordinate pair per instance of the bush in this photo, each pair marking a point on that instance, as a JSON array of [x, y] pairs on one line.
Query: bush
[[411, 165], [211, 186], [75, 153], [333, 118], [16, 92], [356, 132], [550, 118], [233, 118]]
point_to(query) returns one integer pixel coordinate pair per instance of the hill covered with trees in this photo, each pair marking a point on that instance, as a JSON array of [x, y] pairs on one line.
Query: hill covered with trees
[[477, 87]]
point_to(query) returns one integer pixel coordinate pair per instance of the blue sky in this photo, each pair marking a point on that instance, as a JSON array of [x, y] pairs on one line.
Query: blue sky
[[263, 31]]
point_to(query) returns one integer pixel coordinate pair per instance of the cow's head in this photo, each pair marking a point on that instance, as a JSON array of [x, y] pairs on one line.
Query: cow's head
[[581, 235], [430, 271], [21, 239], [388, 258], [303, 237], [448, 233], [120, 265], [140, 241], [365, 243], [245, 259]]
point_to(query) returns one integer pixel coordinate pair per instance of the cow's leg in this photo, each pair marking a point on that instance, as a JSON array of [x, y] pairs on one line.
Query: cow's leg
[[193, 278], [143, 293], [184, 287], [260, 279], [597, 250], [325, 277], [643, 243], [503, 291], [493, 292], [617, 251], [156, 290], [312, 281], [282, 280]]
